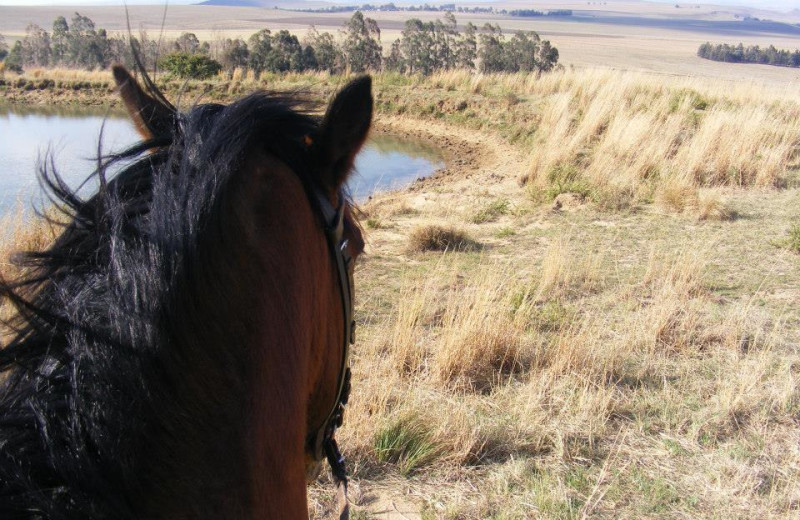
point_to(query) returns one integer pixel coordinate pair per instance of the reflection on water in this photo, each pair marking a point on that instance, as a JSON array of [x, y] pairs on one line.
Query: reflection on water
[[388, 163], [71, 134]]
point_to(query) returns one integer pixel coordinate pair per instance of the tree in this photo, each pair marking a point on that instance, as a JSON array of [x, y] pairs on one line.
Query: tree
[[187, 42], [3, 47], [361, 46], [548, 56], [492, 56], [194, 66], [522, 52], [86, 46], [395, 62], [279, 52], [36, 46], [119, 51], [14, 59], [235, 54], [417, 44], [287, 53], [467, 47], [445, 34], [59, 40], [260, 45], [328, 55]]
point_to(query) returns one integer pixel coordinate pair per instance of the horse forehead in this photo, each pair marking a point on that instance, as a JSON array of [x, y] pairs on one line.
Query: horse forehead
[[269, 174]]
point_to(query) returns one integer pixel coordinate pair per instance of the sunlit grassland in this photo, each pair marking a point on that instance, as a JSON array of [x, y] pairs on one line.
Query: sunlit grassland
[[632, 353]]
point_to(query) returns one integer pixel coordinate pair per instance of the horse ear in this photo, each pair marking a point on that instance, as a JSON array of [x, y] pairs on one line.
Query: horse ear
[[150, 116], [344, 131]]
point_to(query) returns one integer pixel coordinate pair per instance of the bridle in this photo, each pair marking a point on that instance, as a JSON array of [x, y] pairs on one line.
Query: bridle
[[322, 442]]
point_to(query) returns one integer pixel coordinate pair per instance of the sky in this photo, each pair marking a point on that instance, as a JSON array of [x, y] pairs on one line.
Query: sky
[[776, 5]]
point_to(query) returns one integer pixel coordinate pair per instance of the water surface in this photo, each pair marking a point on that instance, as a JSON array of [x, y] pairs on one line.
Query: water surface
[[27, 134]]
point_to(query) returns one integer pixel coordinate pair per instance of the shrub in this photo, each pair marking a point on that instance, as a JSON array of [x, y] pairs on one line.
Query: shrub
[[438, 238], [194, 66]]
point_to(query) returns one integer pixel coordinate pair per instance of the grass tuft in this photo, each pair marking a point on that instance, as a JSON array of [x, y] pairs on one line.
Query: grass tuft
[[439, 238], [710, 206], [491, 212], [405, 442], [793, 240]]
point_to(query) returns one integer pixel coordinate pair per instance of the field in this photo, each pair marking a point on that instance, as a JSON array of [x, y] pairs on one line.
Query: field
[[592, 311], [624, 35], [615, 331]]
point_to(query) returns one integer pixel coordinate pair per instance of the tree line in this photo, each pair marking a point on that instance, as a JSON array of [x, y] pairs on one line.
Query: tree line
[[424, 47], [391, 7], [532, 13], [752, 54]]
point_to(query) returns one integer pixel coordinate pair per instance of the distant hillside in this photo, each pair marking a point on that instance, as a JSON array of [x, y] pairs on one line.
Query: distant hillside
[[244, 3]]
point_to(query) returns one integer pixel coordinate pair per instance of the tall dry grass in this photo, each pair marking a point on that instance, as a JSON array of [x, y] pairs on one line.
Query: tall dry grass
[[634, 136], [559, 384], [68, 74], [21, 232]]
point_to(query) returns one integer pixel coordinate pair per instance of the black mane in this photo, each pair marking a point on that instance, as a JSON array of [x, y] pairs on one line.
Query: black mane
[[79, 421]]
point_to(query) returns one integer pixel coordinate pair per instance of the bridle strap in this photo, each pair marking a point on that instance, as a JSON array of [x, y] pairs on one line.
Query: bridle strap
[[322, 442]]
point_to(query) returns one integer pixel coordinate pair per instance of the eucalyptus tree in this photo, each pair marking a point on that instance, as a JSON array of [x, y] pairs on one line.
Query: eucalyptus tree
[[328, 54], [36, 46], [492, 54], [361, 46], [14, 59], [418, 46], [233, 54], [467, 47], [86, 46], [187, 42], [445, 34], [59, 40]]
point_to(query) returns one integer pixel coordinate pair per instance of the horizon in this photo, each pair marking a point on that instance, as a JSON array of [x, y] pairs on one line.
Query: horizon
[[771, 5]]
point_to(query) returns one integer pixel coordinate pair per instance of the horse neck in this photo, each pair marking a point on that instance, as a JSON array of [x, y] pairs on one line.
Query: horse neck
[[259, 301]]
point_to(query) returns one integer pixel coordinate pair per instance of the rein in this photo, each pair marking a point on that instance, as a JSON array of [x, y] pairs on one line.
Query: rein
[[322, 442]]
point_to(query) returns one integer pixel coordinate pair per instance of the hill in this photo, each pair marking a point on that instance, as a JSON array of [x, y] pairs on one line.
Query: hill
[[245, 3]]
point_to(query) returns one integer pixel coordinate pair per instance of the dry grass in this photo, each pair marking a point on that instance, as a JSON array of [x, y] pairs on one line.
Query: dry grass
[[711, 206], [70, 75], [632, 135], [593, 364], [19, 235], [533, 387], [434, 237]]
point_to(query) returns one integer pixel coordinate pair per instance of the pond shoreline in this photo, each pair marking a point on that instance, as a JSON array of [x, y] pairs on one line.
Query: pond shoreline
[[390, 162], [101, 94]]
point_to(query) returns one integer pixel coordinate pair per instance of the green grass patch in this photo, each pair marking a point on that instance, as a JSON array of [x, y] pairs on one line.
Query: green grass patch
[[506, 232], [793, 241], [406, 443], [562, 178], [696, 101], [375, 223], [491, 212], [657, 495]]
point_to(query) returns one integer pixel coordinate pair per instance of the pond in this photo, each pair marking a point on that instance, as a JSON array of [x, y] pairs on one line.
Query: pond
[[27, 133]]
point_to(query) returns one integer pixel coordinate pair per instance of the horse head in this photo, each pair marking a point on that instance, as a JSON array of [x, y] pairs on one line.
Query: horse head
[[190, 324]]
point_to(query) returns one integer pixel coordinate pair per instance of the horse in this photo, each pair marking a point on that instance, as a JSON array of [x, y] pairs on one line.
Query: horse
[[180, 350]]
